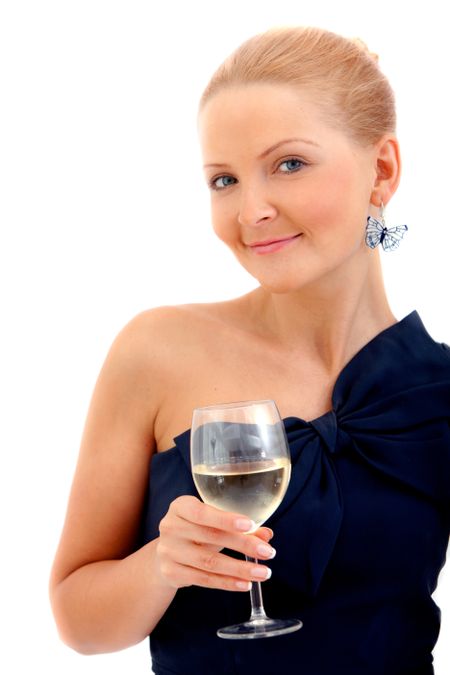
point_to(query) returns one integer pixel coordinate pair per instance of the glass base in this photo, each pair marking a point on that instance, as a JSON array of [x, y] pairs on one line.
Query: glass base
[[259, 628]]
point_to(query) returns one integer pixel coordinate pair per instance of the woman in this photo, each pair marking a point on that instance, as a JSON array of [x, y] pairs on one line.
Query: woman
[[297, 130]]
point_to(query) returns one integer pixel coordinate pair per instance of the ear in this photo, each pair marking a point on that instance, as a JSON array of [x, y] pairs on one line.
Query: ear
[[387, 166]]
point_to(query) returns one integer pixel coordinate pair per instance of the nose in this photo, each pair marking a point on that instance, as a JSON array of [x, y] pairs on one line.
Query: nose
[[255, 207]]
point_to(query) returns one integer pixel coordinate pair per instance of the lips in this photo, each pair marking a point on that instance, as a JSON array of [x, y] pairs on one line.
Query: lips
[[272, 245]]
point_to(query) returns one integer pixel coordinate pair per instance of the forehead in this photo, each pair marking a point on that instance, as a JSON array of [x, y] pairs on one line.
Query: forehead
[[258, 112]]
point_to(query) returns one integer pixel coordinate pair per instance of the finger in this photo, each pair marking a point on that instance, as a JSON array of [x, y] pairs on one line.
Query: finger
[[205, 524], [182, 575], [264, 533], [213, 563], [248, 544], [225, 565], [193, 510]]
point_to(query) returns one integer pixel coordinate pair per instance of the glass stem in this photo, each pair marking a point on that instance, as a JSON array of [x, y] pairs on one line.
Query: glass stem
[[256, 597]]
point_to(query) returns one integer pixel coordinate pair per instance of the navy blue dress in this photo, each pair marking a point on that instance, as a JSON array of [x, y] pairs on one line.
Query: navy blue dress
[[361, 534]]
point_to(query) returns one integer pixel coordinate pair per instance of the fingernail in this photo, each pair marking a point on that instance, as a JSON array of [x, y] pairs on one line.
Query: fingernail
[[244, 585], [261, 572], [266, 551], [244, 524]]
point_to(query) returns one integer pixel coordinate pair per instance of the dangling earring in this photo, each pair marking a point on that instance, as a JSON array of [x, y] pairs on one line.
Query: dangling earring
[[378, 233]]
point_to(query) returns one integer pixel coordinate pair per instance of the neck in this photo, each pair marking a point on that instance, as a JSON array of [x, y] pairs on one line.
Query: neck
[[329, 321]]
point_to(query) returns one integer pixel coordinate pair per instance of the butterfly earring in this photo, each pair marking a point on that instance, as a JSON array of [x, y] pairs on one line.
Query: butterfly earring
[[378, 233]]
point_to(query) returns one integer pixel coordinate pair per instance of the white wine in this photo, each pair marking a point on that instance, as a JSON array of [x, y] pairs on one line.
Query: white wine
[[240, 462], [254, 489]]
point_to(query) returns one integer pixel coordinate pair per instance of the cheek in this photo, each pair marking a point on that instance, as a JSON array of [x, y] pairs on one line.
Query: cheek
[[335, 208], [222, 219]]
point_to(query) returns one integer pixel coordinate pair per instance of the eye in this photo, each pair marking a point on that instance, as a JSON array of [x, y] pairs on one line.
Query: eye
[[293, 164], [226, 181]]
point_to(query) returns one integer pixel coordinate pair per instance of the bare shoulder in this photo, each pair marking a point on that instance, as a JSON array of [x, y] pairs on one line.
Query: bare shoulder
[[158, 343], [178, 352], [155, 333], [151, 337], [171, 317], [153, 327]]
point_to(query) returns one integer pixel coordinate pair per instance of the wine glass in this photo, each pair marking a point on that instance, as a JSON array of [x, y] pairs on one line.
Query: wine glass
[[241, 462]]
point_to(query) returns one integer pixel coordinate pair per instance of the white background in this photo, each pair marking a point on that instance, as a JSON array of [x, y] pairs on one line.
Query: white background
[[103, 213]]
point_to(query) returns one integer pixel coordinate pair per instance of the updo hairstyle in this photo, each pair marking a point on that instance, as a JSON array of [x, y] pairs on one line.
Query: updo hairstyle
[[339, 74]]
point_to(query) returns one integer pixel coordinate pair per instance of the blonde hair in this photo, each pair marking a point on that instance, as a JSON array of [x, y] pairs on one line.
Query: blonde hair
[[340, 74]]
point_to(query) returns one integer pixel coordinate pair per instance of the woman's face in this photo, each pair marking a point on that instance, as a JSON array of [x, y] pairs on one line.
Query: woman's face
[[290, 195]]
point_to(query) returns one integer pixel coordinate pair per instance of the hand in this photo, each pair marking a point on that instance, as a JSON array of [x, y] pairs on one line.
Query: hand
[[192, 535]]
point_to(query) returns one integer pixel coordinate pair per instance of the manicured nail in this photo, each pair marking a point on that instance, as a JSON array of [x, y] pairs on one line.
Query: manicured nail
[[266, 551], [244, 585], [261, 573], [244, 524]]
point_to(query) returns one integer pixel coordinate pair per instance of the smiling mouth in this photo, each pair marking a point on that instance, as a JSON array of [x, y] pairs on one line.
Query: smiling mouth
[[272, 245]]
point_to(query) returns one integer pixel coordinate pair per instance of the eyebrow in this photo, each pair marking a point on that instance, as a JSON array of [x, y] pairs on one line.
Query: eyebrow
[[272, 148]]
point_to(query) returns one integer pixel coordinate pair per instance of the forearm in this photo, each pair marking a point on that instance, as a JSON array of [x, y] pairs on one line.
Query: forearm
[[111, 604]]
